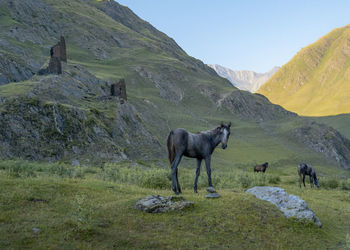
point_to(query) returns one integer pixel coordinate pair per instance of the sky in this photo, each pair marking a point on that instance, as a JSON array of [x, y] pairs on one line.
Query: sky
[[243, 34]]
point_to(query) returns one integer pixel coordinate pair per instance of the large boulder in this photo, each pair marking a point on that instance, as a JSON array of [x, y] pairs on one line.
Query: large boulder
[[290, 205], [162, 204]]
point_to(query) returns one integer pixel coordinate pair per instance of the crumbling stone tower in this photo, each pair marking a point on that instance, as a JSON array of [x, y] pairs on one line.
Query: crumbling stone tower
[[119, 89], [59, 50], [58, 54]]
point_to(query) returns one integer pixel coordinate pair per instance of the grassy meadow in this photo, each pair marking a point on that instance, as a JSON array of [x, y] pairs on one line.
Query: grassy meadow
[[58, 206]]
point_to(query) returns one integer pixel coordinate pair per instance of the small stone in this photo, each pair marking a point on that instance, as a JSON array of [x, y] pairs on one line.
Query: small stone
[[36, 230], [213, 195], [211, 190]]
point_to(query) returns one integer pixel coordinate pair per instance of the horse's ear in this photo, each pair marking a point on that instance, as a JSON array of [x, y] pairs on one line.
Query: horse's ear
[[229, 125], [221, 124]]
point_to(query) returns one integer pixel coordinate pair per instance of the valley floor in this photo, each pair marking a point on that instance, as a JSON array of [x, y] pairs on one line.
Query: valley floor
[[51, 207]]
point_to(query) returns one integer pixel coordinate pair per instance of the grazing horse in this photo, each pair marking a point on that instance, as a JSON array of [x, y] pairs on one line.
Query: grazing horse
[[200, 146], [307, 169], [261, 168]]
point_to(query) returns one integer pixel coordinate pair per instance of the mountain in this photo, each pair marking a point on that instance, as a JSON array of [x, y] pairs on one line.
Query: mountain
[[315, 82], [244, 79], [72, 116]]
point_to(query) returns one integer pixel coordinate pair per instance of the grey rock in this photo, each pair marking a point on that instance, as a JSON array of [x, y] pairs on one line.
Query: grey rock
[[36, 230], [75, 163], [290, 205], [213, 195], [162, 204]]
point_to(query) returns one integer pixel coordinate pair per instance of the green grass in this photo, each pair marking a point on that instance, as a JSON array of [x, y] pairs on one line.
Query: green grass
[[304, 83], [94, 209]]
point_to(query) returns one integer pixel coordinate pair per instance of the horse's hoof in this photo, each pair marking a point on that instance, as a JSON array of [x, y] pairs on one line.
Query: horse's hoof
[[211, 190]]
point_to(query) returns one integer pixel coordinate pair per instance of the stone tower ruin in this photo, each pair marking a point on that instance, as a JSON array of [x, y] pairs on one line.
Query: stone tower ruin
[[58, 54], [59, 50], [119, 89]]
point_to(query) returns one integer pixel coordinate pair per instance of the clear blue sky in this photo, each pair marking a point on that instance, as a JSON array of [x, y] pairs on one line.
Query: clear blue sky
[[243, 34]]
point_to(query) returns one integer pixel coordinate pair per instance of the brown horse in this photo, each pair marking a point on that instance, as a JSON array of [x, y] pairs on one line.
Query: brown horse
[[261, 168]]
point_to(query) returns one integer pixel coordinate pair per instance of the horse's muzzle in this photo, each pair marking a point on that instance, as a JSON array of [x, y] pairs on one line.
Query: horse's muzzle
[[224, 146]]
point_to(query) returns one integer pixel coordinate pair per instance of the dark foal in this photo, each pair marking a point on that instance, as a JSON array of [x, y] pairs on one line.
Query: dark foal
[[200, 146], [307, 169], [261, 168]]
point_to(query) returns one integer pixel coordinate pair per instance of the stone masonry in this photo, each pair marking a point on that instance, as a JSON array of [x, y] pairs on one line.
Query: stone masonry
[[119, 89]]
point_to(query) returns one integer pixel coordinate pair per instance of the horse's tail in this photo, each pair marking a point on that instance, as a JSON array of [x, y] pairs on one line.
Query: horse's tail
[[171, 148]]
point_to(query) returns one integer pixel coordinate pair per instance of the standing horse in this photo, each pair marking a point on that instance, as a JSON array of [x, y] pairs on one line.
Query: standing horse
[[307, 169], [200, 146], [261, 168]]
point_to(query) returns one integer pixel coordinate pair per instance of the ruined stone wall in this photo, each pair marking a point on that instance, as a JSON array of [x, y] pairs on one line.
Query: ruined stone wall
[[58, 54], [119, 89]]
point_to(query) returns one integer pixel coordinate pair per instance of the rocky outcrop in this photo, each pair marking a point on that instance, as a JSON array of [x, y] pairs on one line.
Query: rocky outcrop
[[14, 70], [256, 106], [167, 82], [326, 141], [290, 205], [162, 204], [246, 105], [59, 120]]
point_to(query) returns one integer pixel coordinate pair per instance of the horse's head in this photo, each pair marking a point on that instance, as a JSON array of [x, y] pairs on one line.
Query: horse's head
[[224, 131]]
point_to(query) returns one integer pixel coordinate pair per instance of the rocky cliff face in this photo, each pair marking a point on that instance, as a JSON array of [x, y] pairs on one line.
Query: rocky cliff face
[[60, 119], [244, 79], [325, 140]]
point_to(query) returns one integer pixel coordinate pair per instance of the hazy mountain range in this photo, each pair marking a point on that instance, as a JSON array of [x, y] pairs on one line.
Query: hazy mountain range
[[244, 79]]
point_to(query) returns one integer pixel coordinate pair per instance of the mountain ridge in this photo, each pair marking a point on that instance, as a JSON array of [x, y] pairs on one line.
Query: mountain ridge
[[244, 79], [73, 117], [304, 84]]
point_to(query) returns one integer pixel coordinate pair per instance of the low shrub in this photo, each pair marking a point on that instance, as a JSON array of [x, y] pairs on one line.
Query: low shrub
[[330, 183]]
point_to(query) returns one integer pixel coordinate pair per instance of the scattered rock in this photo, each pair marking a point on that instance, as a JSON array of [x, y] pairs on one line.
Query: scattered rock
[[290, 205], [162, 204], [213, 195], [75, 163], [36, 230]]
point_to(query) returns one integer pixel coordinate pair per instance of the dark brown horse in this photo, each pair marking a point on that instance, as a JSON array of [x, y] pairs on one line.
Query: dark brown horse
[[261, 168], [307, 169], [199, 146]]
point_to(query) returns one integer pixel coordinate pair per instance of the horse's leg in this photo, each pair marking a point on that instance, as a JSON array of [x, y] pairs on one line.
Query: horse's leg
[[311, 182], [177, 182], [304, 180], [198, 171], [299, 180], [207, 166], [174, 173]]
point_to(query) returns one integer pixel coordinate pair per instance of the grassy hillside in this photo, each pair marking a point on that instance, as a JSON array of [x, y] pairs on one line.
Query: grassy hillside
[[92, 208], [316, 81], [105, 155], [73, 117]]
